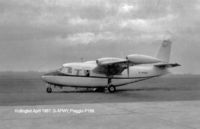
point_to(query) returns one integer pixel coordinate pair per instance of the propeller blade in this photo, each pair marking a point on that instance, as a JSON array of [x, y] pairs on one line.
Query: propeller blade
[[128, 68], [127, 65]]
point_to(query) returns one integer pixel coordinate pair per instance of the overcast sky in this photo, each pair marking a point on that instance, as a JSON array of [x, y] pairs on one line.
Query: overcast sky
[[43, 34]]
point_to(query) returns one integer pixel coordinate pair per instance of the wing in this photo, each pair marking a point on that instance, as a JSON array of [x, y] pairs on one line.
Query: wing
[[110, 66]]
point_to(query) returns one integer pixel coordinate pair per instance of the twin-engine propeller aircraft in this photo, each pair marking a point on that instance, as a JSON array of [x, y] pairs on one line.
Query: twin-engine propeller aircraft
[[109, 73]]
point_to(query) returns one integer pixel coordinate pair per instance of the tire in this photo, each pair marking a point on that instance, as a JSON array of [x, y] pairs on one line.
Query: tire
[[49, 90], [111, 89]]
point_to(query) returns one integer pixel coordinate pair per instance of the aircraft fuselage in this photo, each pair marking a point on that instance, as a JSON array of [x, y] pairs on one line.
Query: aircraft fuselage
[[82, 75]]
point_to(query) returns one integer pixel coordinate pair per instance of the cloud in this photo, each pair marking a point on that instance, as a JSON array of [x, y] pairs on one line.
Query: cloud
[[77, 21], [88, 37], [126, 8], [52, 18], [81, 38], [60, 24]]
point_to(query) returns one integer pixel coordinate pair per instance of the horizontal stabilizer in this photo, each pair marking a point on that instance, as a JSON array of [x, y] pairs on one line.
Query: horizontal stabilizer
[[167, 65]]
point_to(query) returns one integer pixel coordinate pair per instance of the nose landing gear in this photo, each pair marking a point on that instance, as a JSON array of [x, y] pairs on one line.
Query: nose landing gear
[[49, 90]]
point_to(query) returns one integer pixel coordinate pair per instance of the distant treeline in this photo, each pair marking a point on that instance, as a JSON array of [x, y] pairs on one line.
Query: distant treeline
[[20, 75]]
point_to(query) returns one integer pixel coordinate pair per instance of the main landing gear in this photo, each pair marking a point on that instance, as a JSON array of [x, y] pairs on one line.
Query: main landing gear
[[110, 87]]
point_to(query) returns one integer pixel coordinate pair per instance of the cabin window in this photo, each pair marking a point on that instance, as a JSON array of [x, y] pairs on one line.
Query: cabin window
[[77, 71], [70, 70]]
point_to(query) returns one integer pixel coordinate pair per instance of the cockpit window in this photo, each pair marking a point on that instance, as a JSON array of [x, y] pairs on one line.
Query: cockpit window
[[60, 69], [66, 70]]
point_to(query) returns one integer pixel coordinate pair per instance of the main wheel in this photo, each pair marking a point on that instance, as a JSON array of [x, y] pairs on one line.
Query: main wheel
[[49, 90], [111, 89]]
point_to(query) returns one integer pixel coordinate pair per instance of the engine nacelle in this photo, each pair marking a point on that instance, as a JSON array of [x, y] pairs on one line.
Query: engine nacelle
[[142, 59], [108, 60]]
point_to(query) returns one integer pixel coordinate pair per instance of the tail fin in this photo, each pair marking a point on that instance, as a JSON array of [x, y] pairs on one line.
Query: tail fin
[[164, 51]]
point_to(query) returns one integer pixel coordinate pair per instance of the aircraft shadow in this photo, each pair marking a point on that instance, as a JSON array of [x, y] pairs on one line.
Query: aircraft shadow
[[117, 91]]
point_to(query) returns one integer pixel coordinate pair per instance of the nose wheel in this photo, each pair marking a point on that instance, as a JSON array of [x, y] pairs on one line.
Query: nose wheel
[[49, 89]]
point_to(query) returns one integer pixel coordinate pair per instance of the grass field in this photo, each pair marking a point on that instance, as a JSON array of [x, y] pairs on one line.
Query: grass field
[[27, 88]]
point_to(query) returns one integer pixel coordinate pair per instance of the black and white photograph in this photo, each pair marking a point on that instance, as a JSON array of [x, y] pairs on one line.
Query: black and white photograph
[[99, 64]]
